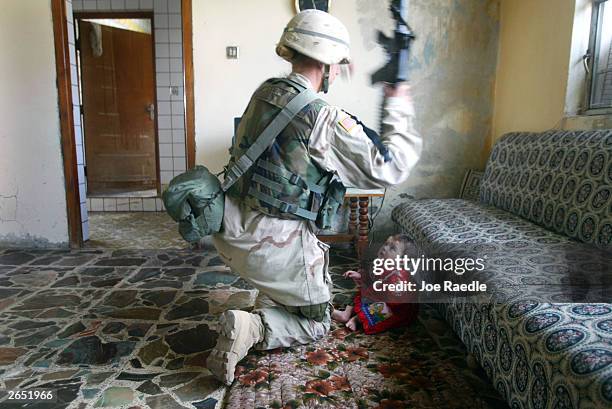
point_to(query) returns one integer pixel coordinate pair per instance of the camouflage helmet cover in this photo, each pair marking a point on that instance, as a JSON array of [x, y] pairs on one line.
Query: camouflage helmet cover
[[315, 34]]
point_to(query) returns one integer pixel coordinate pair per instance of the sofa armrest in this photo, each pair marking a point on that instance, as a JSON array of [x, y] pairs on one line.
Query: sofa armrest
[[470, 188]]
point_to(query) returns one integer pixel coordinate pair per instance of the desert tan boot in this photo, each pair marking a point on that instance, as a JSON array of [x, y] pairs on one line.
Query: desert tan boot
[[238, 332]]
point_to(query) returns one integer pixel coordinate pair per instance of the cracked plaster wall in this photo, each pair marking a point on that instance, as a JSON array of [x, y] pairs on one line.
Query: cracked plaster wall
[[32, 195]]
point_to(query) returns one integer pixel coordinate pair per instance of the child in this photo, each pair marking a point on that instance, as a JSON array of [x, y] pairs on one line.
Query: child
[[368, 310]]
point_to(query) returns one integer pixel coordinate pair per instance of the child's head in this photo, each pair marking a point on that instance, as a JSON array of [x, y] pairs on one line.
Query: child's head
[[396, 245]]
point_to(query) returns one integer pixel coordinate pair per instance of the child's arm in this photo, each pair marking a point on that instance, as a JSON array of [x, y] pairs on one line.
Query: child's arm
[[355, 275]]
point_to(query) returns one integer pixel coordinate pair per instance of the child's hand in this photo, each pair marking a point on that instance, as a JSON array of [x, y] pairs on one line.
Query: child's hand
[[356, 276]]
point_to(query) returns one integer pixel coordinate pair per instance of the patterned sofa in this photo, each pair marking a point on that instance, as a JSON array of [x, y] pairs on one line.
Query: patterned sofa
[[544, 221]]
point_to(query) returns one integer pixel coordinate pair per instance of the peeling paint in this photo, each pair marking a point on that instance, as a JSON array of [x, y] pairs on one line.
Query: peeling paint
[[28, 241], [373, 16], [8, 208], [452, 76], [429, 51]]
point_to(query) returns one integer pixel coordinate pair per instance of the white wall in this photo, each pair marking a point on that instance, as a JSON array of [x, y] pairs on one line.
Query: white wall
[[32, 195], [223, 87]]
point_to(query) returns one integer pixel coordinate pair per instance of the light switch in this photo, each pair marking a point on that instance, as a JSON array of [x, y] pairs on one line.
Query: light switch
[[231, 52]]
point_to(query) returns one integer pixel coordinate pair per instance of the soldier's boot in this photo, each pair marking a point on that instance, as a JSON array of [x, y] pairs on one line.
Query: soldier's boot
[[239, 331]]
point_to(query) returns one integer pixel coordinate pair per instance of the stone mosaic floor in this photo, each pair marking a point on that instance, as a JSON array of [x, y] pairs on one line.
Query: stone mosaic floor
[[137, 230], [113, 327], [132, 328]]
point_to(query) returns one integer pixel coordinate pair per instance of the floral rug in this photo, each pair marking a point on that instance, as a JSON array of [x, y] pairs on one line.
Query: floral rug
[[422, 366]]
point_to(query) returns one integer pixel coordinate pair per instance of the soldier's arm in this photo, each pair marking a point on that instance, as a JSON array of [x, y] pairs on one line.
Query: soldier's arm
[[338, 143]]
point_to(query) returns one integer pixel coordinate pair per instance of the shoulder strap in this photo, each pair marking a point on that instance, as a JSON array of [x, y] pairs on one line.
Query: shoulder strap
[[267, 136], [291, 82], [374, 137]]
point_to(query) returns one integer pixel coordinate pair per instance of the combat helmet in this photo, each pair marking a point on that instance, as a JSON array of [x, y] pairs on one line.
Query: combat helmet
[[318, 35]]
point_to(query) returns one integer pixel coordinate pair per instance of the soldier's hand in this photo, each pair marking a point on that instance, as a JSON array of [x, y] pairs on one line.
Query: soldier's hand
[[400, 89]]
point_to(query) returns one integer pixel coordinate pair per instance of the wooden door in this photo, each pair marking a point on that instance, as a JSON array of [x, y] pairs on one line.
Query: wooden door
[[118, 97]]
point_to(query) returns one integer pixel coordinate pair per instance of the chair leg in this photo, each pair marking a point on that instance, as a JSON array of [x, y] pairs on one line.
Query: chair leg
[[364, 227]]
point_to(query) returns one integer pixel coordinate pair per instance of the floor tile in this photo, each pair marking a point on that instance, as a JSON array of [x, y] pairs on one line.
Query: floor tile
[[53, 303], [33, 277], [95, 277], [146, 305]]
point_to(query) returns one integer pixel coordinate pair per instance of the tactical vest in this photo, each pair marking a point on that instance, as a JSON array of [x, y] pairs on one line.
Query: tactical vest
[[285, 182]]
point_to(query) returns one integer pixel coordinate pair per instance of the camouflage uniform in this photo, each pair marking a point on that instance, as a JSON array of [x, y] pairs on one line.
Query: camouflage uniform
[[269, 181], [283, 258]]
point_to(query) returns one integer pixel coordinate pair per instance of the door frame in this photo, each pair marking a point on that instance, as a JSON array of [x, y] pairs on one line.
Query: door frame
[[64, 88], [64, 85], [80, 15]]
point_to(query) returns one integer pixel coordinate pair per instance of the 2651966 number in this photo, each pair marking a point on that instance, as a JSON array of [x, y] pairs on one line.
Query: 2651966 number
[[34, 394]]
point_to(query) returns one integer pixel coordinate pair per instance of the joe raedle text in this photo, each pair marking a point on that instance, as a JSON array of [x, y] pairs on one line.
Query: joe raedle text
[[447, 286]]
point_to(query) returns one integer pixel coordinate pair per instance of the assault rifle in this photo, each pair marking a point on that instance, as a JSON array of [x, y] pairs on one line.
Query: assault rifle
[[397, 47]]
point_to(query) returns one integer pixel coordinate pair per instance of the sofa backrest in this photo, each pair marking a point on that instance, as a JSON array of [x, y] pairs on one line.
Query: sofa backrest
[[561, 180]]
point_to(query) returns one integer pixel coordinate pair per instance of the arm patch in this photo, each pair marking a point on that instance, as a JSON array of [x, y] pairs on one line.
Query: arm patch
[[348, 124], [371, 134]]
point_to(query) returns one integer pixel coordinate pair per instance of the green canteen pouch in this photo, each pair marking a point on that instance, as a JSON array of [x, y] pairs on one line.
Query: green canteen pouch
[[334, 198]]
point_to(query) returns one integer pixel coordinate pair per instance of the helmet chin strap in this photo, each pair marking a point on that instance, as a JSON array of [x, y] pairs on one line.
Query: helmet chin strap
[[325, 87]]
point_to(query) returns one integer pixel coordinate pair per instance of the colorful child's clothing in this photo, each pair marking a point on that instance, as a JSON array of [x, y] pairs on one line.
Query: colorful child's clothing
[[376, 315]]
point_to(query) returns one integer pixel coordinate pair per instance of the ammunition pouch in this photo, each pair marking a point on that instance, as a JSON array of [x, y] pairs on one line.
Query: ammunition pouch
[[333, 199], [315, 312]]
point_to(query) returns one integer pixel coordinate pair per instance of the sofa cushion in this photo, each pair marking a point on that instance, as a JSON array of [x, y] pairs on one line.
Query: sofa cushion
[[466, 221], [561, 180], [538, 351], [521, 257]]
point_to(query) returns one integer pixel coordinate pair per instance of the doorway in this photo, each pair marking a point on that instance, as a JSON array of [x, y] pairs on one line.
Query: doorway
[[118, 104], [174, 113]]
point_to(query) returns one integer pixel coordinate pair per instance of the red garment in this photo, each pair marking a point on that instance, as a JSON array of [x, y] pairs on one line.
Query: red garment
[[377, 315]]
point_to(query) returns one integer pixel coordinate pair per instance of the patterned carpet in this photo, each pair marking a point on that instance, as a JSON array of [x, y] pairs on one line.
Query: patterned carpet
[[407, 368], [127, 327]]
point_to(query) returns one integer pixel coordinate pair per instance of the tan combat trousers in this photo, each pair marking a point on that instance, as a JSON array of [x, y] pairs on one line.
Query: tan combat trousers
[[284, 328]]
